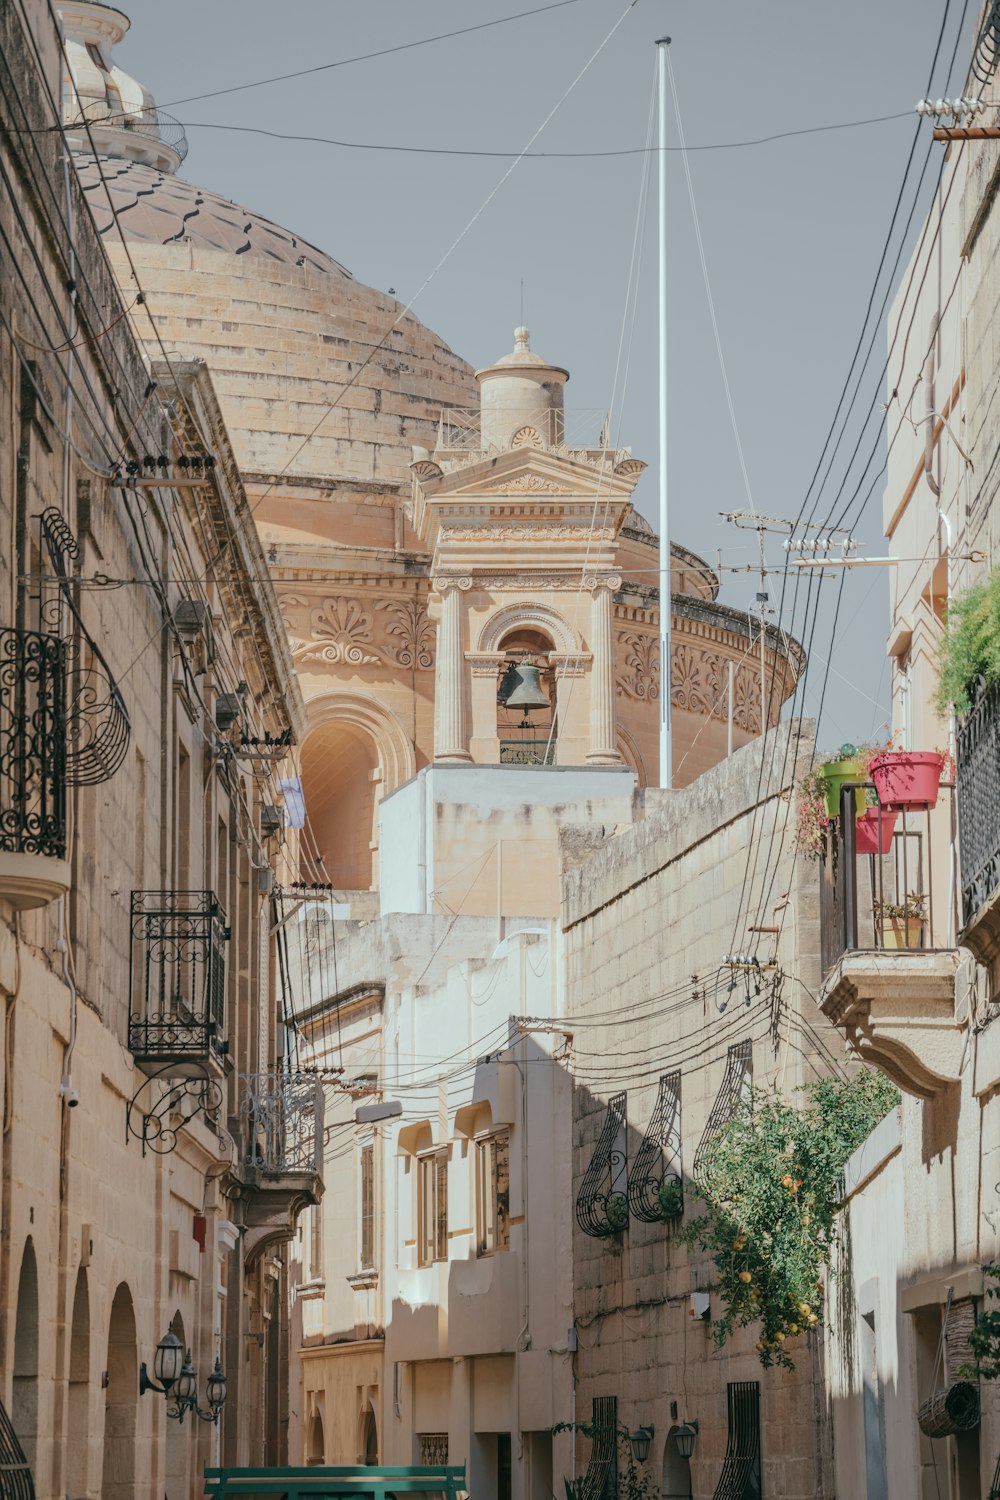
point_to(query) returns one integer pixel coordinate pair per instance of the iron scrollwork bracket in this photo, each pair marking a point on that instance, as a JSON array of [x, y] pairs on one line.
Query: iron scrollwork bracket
[[655, 1185], [602, 1205], [98, 728], [157, 1121]]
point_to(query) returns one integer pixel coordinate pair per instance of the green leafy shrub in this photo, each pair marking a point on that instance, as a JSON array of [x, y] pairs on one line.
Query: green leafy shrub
[[970, 647], [984, 1340], [629, 1483], [616, 1208], [771, 1182]]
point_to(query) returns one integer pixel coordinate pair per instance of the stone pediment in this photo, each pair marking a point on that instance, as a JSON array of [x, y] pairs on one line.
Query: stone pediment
[[525, 471]]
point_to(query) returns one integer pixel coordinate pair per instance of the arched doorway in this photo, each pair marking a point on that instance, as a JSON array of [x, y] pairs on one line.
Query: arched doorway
[[339, 762], [527, 734], [369, 1437], [179, 1447], [78, 1415], [120, 1397], [315, 1445], [24, 1408], [676, 1471]]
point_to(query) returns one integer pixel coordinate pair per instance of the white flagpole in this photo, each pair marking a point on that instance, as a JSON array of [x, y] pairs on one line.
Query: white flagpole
[[666, 739]]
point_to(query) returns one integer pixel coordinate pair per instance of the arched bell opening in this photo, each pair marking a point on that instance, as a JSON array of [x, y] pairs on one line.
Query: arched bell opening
[[340, 764], [526, 699]]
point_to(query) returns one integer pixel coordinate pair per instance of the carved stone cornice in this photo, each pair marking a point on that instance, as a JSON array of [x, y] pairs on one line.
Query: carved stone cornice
[[527, 531], [485, 663]]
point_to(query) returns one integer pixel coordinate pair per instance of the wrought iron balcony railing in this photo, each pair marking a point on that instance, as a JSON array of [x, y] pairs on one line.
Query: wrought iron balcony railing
[[32, 743], [177, 1012], [527, 752], [978, 777], [282, 1117], [902, 900]]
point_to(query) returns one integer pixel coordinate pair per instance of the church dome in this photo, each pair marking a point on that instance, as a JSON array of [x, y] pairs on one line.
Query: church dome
[[325, 384]]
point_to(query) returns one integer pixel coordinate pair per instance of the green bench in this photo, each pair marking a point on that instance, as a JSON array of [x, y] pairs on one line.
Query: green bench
[[317, 1483]]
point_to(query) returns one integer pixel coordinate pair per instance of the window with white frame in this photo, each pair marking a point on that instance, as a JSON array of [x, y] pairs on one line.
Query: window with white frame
[[493, 1193], [432, 1207]]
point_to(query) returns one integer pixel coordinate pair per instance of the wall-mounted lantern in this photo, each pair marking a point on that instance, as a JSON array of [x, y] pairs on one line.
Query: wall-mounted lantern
[[684, 1437], [179, 1381], [640, 1440]]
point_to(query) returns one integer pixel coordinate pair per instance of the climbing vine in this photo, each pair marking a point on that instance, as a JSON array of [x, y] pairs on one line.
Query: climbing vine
[[771, 1180]]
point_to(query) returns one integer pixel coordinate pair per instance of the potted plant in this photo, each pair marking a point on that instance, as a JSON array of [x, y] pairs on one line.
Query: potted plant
[[906, 779], [616, 1208], [873, 831], [831, 774], [670, 1197], [902, 922]]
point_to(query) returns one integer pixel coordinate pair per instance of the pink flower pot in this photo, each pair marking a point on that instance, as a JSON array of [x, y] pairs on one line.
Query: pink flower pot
[[866, 831], [907, 778]]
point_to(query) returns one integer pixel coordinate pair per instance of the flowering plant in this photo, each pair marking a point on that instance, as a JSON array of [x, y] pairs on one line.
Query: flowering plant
[[811, 821], [771, 1180]]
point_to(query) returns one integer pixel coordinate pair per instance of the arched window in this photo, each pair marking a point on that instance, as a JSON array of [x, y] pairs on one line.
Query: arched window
[[676, 1471], [369, 1437], [120, 1397], [24, 1409], [315, 1450], [78, 1425], [526, 699]]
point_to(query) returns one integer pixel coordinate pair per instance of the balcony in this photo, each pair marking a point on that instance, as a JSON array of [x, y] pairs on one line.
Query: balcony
[[281, 1121], [888, 924], [978, 747], [177, 1012], [33, 865]]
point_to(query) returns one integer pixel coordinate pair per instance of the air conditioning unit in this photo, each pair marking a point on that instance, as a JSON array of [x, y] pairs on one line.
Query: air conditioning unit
[[228, 707], [271, 820], [193, 617]]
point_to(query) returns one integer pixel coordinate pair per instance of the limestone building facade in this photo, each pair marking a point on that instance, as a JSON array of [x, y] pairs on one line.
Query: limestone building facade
[[148, 701], [921, 1219]]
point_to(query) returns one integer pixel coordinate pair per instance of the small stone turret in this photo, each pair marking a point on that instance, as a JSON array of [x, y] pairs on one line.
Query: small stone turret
[[122, 120], [521, 390]]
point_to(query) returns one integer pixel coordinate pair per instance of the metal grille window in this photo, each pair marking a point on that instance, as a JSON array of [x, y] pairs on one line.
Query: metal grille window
[[655, 1186], [602, 1202], [493, 1193], [740, 1477], [736, 1089], [598, 1483], [178, 974], [432, 1207], [32, 744], [978, 779], [283, 1115], [433, 1447], [367, 1207]]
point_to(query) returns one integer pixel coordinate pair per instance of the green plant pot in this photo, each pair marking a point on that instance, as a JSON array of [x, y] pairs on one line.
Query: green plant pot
[[833, 775]]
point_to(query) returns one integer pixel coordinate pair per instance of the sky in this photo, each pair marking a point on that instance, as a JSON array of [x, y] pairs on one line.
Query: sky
[[792, 230]]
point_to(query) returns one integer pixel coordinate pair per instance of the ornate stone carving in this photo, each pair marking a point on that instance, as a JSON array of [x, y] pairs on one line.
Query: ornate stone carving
[[412, 633], [527, 437], [594, 582], [629, 466], [526, 484], [525, 532], [697, 680], [746, 700], [443, 583], [641, 678], [425, 468], [338, 631]]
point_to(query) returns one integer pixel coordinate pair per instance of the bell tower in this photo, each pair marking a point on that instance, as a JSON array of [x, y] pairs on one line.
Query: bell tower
[[524, 531]]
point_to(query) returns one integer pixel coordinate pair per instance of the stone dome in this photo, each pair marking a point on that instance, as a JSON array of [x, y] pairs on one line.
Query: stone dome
[[325, 384]]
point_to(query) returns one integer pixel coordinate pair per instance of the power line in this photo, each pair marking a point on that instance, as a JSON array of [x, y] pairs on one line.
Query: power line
[[399, 147], [344, 62]]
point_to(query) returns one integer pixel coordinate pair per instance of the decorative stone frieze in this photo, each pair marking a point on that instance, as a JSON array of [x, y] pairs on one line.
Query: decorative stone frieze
[[357, 632]]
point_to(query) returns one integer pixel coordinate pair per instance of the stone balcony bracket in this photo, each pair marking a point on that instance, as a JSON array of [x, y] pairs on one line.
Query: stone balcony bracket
[[270, 1205], [898, 1012]]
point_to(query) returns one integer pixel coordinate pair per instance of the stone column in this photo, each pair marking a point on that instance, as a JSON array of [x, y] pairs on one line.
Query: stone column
[[451, 733], [603, 747]]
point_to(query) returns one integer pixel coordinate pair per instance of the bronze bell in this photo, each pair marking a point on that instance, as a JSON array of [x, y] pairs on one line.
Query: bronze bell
[[528, 692]]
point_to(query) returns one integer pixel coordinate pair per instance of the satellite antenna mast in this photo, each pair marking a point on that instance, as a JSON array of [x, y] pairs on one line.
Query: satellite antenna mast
[[666, 745]]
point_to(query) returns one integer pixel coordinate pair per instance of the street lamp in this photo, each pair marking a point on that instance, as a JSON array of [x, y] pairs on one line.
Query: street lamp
[[684, 1437], [179, 1379], [640, 1440]]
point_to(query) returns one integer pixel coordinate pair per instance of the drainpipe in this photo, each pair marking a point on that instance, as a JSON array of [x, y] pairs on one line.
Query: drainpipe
[[932, 483], [522, 1337]]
